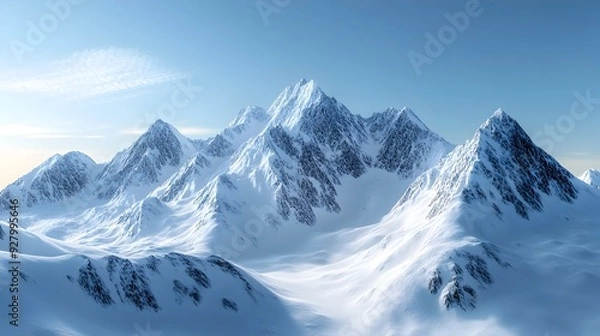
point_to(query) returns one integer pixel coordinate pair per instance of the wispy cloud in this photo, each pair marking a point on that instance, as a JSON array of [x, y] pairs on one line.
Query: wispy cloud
[[92, 73], [187, 131], [38, 132]]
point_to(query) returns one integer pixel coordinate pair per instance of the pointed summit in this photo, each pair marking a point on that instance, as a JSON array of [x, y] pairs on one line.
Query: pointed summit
[[410, 115], [519, 170], [408, 146], [162, 146], [249, 114], [501, 131], [382, 122], [499, 121], [591, 177], [56, 179], [248, 123], [500, 167], [161, 131], [288, 108], [159, 123], [500, 113], [159, 126]]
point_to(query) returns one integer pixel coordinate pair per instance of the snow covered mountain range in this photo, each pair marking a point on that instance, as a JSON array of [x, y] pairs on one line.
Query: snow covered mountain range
[[307, 219]]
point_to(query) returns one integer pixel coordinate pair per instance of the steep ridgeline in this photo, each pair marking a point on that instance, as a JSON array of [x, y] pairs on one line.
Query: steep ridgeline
[[406, 145], [59, 178], [310, 144], [500, 176], [149, 161], [197, 171], [499, 167], [301, 157], [248, 123]]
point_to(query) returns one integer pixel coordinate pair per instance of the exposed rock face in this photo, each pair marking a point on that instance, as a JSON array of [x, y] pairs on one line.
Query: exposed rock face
[[93, 285], [469, 269], [59, 178], [500, 166], [312, 141], [143, 163], [113, 280]]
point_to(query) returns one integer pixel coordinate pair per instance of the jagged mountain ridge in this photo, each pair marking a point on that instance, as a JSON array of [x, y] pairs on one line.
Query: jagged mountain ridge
[[58, 178], [443, 258], [312, 141], [248, 123], [299, 150], [141, 164], [502, 155], [467, 236], [213, 152], [498, 175]]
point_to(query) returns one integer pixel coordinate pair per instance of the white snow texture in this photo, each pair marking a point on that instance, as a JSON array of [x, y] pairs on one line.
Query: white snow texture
[[306, 219]]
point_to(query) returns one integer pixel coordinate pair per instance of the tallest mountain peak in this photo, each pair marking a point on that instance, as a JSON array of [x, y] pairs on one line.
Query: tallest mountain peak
[[303, 81], [290, 105], [502, 129], [500, 120], [159, 125], [305, 87]]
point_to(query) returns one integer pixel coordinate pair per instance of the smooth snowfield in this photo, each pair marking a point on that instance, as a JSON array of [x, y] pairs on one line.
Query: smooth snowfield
[[305, 219], [52, 300], [375, 279]]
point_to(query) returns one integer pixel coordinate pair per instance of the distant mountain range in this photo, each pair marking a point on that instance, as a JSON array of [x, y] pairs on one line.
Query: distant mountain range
[[307, 219]]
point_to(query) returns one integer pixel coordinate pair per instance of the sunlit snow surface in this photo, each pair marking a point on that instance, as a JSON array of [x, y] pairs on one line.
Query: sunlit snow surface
[[305, 219], [591, 177]]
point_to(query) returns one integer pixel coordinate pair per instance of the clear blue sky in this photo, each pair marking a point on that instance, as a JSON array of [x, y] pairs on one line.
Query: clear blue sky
[[103, 65]]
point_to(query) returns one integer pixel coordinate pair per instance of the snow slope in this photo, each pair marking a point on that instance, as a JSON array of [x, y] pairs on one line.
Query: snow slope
[[467, 250], [147, 162], [282, 167], [172, 294], [57, 179], [324, 222], [591, 177]]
